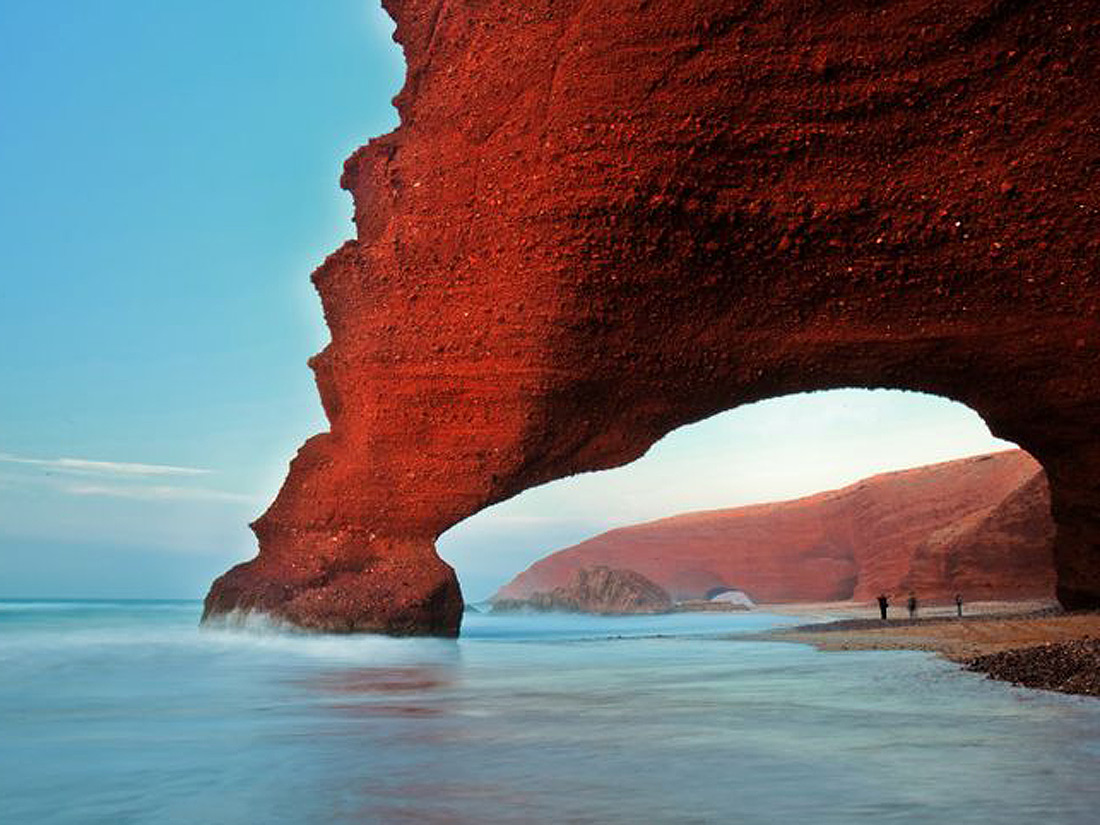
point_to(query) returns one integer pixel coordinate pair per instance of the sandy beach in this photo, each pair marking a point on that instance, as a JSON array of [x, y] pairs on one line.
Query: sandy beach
[[1029, 643]]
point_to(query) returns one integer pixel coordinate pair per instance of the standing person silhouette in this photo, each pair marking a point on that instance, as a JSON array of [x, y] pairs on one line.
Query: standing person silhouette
[[912, 605], [959, 604], [883, 603]]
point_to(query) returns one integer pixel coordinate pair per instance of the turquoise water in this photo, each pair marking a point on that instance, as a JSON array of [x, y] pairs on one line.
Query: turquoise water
[[114, 712]]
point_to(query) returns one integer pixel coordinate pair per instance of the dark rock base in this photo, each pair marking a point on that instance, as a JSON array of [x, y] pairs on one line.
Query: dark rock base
[[1066, 667]]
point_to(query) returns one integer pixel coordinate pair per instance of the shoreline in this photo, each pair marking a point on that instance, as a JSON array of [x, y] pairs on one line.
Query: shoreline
[[1033, 644]]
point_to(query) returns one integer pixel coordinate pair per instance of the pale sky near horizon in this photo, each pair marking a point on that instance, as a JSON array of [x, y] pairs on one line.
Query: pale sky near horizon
[[170, 180]]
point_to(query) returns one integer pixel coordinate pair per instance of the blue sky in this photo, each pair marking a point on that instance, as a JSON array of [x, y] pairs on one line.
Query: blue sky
[[170, 180]]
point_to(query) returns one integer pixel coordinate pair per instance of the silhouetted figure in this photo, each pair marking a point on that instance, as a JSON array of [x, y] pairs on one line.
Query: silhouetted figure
[[883, 603], [959, 604], [912, 605]]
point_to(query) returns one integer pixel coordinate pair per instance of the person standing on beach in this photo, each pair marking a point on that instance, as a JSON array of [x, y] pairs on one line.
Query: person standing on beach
[[912, 605], [959, 604], [883, 603]]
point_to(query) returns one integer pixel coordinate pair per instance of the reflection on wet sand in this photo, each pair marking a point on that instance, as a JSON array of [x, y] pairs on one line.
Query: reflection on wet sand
[[362, 689], [369, 680]]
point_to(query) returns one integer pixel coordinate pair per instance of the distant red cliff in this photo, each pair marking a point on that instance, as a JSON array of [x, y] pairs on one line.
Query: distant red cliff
[[978, 526]]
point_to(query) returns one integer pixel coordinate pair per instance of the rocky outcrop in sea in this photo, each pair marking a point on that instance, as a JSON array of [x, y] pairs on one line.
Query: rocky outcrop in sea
[[596, 590]]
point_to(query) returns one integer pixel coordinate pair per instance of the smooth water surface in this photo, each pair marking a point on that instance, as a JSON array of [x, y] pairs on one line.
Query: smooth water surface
[[126, 712]]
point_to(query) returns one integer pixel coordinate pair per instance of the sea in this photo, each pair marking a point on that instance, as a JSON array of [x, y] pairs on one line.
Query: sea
[[119, 712]]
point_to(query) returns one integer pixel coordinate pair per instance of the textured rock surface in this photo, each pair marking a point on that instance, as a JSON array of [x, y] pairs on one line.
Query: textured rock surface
[[1067, 667], [595, 589], [599, 221], [980, 526]]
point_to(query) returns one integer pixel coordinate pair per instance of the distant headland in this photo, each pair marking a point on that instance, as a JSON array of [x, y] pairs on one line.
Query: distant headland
[[978, 526]]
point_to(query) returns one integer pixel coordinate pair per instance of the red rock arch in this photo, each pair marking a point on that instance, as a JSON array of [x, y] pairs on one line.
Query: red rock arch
[[599, 221]]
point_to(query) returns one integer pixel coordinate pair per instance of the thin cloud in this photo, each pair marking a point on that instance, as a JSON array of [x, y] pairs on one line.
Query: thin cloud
[[116, 479], [159, 492], [83, 466]]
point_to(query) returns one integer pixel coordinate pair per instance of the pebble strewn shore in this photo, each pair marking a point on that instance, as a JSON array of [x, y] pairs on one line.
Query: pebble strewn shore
[[1067, 667], [1035, 646]]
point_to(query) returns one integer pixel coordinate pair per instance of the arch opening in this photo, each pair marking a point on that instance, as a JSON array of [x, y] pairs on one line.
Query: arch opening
[[827, 496]]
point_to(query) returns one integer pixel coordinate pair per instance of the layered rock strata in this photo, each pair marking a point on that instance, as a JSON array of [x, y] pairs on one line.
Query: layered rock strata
[[979, 527], [600, 221], [595, 589]]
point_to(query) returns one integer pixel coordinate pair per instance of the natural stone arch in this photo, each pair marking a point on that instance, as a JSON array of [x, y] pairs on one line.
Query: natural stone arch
[[600, 221]]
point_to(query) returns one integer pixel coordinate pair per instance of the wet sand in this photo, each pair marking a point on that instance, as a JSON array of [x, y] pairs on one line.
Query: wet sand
[[1030, 643]]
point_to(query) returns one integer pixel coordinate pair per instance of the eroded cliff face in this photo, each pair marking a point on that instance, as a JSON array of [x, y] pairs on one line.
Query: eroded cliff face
[[599, 221], [979, 526]]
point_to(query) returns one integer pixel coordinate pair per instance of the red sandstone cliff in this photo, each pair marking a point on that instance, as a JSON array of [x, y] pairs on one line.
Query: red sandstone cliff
[[979, 526], [599, 221]]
